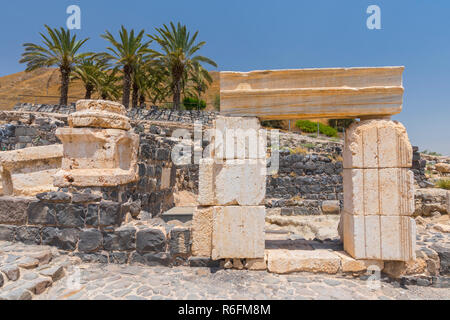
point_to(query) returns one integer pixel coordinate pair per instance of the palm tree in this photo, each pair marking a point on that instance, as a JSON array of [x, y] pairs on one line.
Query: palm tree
[[107, 85], [156, 82], [61, 50], [178, 55], [88, 72], [200, 79], [125, 52]]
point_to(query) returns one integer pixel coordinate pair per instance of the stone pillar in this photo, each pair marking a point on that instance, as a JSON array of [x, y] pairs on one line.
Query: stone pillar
[[99, 149], [378, 192], [232, 186]]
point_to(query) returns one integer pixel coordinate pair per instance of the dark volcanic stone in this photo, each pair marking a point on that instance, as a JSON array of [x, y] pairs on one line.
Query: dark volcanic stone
[[71, 216], [65, 239], [28, 235], [180, 241], [85, 197], [444, 257], [7, 233], [150, 240], [40, 214], [110, 213], [123, 239], [54, 197], [92, 215], [90, 241]]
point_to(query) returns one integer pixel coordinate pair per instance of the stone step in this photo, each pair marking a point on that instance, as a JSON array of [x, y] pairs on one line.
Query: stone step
[[182, 214]]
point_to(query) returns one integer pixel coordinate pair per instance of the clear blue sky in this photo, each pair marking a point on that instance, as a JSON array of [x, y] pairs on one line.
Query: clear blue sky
[[259, 34]]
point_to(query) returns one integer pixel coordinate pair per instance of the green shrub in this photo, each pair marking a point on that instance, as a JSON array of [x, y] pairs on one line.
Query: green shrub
[[310, 127], [191, 103], [443, 184], [306, 126]]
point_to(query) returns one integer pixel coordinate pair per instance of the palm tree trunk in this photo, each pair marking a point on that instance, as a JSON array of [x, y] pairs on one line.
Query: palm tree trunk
[[141, 100], [126, 86], [177, 95], [135, 95], [65, 76], [89, 89]]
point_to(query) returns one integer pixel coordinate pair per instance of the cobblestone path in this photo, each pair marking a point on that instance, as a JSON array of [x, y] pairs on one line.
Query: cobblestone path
[[136, 282]]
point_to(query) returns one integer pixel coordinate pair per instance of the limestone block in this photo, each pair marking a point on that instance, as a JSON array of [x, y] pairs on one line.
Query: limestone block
[[236, 181], [99, 114], [91, 119], [238, 232], [317, 261], [377, 144], [166, 177], [239, 138], [331, 207], [349, 264], [256, 264], [387, 191], [97, 157], [101, 106], [442, 167], [30, 171], [379, 237], [202, 228], [312, 93], [206, 194]]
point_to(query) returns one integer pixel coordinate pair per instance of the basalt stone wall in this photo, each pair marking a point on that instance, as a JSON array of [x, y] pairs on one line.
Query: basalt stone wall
[[418, 167], [307, 184], [28, 132], [152, 113], [85, 225]]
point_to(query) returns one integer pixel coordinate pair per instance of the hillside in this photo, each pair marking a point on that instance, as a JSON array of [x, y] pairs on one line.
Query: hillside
[[42, 86]]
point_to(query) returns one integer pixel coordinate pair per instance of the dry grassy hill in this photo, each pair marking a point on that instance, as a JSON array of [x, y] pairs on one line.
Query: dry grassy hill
[[42, 86]]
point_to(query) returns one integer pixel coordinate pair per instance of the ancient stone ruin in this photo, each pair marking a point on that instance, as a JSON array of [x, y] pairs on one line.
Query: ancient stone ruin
[[378, 187], [99, 149], [100, 183]]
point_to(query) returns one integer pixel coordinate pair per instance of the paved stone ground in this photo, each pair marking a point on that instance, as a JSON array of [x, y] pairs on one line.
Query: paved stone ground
[[140, 282], [28, 270]]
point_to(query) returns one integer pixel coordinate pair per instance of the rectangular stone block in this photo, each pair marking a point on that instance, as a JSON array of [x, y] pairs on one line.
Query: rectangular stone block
[[236, 181], [238, 232], [312, 93], [202, 229], [388, 238], [30, 171], [239, 138], [377, 144], [316, 261], [206, 182], [166, 178], [13, 210], [388, 191]]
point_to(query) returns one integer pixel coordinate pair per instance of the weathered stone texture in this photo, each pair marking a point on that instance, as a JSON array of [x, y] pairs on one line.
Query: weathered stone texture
[[13, 210], [377, 144], [202, 228], [316, 261], [238, 232], [312, 93], [387, 191], [379, 237], [236, 181]]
